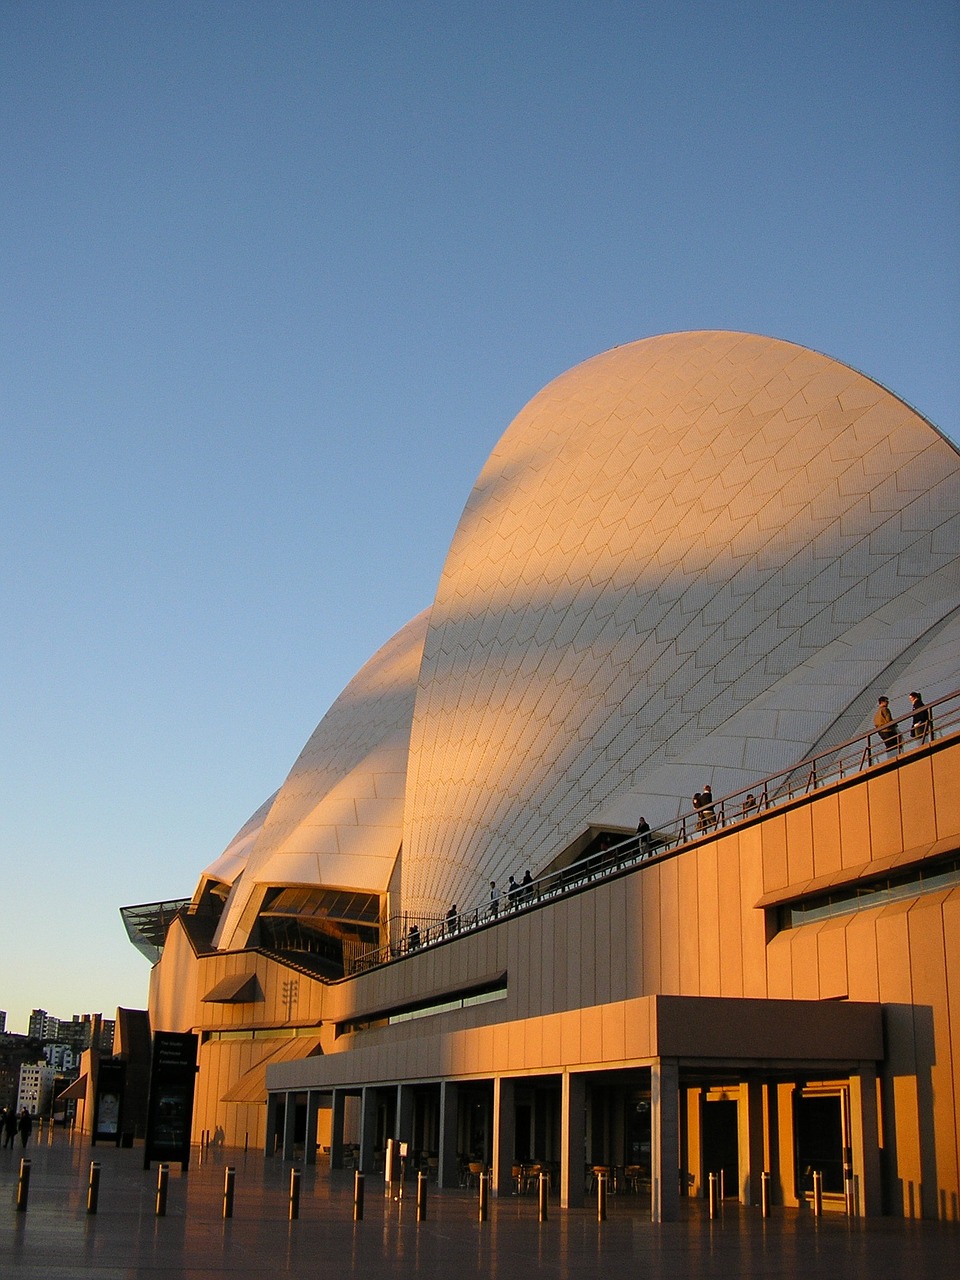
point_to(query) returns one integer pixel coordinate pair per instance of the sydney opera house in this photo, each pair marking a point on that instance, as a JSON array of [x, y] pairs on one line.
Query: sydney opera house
[[483, 915]]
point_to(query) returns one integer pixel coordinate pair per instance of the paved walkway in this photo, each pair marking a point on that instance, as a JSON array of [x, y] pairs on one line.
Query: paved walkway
[[55, 1239]]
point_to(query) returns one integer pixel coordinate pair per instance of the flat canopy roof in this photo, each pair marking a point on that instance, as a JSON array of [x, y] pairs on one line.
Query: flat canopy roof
[[706, 1031]]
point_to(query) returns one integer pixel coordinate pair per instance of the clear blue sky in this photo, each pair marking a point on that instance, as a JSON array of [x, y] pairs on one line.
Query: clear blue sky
[[275, 278]]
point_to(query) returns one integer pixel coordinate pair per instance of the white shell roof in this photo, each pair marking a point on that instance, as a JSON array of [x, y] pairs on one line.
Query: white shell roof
[[234, 857], [690, 559], [337, 819]]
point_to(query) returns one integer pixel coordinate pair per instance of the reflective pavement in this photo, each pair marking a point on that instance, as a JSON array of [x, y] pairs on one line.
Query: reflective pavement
[[55, 1238]]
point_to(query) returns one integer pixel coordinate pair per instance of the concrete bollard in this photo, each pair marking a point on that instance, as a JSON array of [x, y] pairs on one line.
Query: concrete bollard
[[601, 1197], [389, 1167], [713, 1189], [817, 1193], [163, 1181], [23, 1186], [421, 1196], [484, 1192], [294, 1194], [765, 1195], [543, 1200], [849, 1195], [229, 1178], [358, 1196], [93, 1187]]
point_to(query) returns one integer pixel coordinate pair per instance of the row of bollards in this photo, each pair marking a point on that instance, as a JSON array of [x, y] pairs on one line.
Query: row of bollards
[[714, 1193]]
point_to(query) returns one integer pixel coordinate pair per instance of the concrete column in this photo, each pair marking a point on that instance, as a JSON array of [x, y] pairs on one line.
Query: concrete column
[[573, 1139], [693, 1151], [336, 1129], [504, 1135], [750, 1140], [448, 1174], [617, 1126], [310, 1140], [865, 1141], [289, 1123], [785, 1173], [405, 1107], [664, 1140], [368, 1127]]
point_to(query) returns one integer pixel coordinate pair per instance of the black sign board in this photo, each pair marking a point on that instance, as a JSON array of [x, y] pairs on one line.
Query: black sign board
[[170, 1112], [108, 1101]]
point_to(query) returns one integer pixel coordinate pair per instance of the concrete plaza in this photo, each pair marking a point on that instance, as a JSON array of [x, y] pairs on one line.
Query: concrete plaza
[[55, 1238]]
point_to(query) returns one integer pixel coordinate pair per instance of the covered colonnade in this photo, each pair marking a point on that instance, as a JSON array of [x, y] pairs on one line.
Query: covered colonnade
[[733, 1086]]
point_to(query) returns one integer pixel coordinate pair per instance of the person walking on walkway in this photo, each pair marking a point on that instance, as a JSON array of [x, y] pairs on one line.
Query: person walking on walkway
[[25, 1125], [706, 808], [9, 1127]]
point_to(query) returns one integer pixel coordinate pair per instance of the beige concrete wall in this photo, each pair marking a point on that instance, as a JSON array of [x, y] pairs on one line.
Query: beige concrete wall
[[687, 925], [690, 925], [177, 987]]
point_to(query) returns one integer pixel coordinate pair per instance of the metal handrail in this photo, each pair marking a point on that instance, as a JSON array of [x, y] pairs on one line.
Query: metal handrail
[[827, 767]]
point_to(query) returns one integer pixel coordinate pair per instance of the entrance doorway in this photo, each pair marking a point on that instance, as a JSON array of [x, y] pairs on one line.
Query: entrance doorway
[[721, 1144], [818, 1124]]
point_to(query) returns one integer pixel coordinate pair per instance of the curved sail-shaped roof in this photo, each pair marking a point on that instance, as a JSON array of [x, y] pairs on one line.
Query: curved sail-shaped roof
[[688, 560], [232, 861], [337, 819]]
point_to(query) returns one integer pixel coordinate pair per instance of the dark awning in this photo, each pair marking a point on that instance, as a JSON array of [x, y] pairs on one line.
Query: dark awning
[[237, 988], [76, 1090]]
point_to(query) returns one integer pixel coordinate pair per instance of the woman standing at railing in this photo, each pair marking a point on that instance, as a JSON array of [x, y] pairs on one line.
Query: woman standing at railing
[[920, 725]]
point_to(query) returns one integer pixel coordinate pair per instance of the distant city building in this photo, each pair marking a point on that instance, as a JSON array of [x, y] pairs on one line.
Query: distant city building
[[36, 1087], [64, 1059], [82, 1031], [3, 1020], [42, 1026]]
